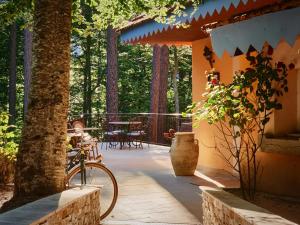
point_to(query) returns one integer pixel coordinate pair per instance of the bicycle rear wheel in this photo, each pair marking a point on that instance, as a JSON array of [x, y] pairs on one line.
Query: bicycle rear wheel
[[98, 175]]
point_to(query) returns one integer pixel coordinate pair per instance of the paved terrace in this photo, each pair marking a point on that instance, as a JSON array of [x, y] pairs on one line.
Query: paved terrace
[[151, 194]]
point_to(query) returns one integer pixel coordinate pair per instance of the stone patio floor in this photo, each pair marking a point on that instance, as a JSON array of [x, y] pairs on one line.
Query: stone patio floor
[[150, 193]]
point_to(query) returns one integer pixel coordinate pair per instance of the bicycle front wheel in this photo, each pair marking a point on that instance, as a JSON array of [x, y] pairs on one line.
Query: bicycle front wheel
[[100, 176]]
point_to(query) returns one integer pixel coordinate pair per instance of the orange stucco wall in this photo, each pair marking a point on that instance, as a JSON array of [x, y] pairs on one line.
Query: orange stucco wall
[[281, 172], [205, 133]]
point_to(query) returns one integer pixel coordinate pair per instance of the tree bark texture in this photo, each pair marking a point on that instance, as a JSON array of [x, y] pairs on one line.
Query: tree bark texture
[[112, 73], [154, 93], [163, 89], [159, 87], [27, 66], [40, 167], [12, 93], [163, 84]]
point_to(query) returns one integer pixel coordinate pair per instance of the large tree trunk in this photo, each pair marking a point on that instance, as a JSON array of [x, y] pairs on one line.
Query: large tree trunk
[[40, 167], [27, 66], [12, 74], [154, 93], [159, 87], [112, 73], [163, 89]]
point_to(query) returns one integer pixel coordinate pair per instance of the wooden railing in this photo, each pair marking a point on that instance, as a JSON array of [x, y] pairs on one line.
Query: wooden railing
[[155, 125]]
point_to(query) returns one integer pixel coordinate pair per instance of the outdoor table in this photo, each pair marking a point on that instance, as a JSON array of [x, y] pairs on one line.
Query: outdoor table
[[122, 135]]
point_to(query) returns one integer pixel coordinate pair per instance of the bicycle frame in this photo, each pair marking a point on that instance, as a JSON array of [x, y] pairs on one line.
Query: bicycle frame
[[82, 167], [81, 154], [78, 164]]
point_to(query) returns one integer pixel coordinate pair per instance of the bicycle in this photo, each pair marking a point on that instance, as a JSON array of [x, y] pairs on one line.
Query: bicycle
[[95, 173]]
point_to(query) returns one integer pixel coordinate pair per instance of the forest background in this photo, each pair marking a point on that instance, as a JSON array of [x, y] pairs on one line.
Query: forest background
[[89, 72]]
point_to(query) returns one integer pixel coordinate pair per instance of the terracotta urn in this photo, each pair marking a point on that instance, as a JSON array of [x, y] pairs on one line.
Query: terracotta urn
[[184, 153]]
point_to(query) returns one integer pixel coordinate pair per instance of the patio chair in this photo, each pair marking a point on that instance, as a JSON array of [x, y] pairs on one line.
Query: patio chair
[[136, 133], [145, 129], [109, 136]]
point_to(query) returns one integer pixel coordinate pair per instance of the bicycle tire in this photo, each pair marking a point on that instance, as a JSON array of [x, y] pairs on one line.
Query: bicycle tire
[[89, 165]]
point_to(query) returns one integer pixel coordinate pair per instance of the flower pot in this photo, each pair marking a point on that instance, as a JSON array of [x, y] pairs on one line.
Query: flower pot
[[184, 153]]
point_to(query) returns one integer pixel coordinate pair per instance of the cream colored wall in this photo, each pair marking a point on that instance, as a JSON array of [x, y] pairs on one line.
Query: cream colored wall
[[281, 173]]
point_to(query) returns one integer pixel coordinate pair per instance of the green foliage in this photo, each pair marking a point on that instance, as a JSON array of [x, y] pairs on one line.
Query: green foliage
[[135, 72], [184, 79], [98, 72], [12, 10], [135, 67], [8, 146], [4, 57], [4, 69], [240, 110], [253, 94], [117, 13], [135, 62]]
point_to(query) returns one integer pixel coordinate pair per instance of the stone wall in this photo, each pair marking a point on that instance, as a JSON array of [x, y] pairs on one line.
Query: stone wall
[[223, 208], [74, 207]]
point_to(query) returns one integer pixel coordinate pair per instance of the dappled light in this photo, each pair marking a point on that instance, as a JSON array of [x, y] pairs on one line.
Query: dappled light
[[139, 112]]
